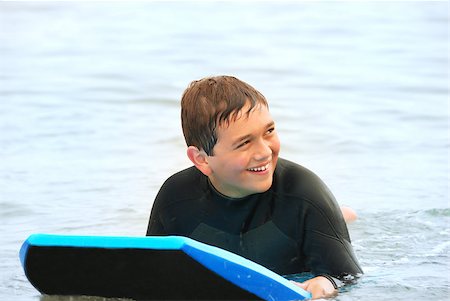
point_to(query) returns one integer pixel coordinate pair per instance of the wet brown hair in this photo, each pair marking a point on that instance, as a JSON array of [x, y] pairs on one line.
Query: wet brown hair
[[209, 102]]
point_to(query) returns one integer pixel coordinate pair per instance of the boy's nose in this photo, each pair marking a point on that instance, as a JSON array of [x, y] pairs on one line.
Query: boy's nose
[[263, 151]]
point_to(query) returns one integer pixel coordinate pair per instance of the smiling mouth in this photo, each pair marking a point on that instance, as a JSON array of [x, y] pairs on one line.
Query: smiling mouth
[[260, 168]]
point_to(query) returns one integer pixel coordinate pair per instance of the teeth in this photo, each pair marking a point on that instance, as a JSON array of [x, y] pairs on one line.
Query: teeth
[[262, 168]]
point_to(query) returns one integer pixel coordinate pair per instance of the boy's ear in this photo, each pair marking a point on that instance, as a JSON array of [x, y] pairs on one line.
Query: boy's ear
[[200, 159]]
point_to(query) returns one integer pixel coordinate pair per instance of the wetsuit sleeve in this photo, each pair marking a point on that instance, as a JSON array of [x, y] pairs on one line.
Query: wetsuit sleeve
[[175, 210], [326, 243], [155, 225]]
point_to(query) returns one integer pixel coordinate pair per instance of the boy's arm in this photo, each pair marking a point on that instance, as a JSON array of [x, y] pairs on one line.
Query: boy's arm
[[319, 287], [328, 251], [349, 214], [155, 225], [326, 243]]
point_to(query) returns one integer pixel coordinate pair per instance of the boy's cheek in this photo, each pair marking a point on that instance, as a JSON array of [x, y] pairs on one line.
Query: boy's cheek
[[276, 144], [240, 163]]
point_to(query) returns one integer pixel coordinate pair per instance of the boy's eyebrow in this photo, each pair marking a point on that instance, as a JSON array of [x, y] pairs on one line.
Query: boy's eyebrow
[[240, 139], [245, 137]]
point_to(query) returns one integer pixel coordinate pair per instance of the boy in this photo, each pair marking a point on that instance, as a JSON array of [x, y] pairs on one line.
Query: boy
[[241, 197]]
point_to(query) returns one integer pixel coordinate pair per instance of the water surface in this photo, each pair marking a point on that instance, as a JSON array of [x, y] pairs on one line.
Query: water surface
[[89, 119]]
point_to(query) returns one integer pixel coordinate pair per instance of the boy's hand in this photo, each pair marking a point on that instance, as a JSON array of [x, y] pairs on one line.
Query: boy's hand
[[319, 287]]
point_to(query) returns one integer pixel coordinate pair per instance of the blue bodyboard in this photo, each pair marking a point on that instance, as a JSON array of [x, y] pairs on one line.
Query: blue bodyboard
[[148, 268]]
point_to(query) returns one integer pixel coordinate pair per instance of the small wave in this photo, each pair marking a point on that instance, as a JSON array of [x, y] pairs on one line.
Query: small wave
[[300, 277], [439, 249], [14, 210], [438, 212]]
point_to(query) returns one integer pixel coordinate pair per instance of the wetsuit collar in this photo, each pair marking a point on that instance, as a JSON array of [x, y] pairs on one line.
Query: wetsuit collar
[[221, 195]]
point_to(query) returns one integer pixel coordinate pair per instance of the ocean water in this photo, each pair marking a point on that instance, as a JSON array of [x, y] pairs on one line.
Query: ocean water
[[89, 119]]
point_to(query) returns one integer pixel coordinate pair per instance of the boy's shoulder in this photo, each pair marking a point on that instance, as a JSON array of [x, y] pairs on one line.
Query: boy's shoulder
[[187, 174], [303, 187], [288, 170], [298, 181], [184, 184], [186, 178]]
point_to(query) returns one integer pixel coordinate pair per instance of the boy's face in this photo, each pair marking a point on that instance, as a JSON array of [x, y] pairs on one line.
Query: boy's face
[[245, 155]]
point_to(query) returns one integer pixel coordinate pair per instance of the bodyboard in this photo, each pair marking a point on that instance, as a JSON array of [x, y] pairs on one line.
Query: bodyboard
[[148, 268]]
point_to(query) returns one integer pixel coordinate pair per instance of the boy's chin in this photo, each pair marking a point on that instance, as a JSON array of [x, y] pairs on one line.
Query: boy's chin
[[262, 187]]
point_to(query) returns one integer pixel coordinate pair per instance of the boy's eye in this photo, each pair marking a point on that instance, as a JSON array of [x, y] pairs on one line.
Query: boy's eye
[[269, 131], [243, 143]]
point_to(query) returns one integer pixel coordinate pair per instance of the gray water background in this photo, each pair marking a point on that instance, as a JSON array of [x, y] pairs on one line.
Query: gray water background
[[89, 119]]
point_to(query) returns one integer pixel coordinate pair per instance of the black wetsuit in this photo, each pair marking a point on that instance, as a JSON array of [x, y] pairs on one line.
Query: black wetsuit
[[296, 226]]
